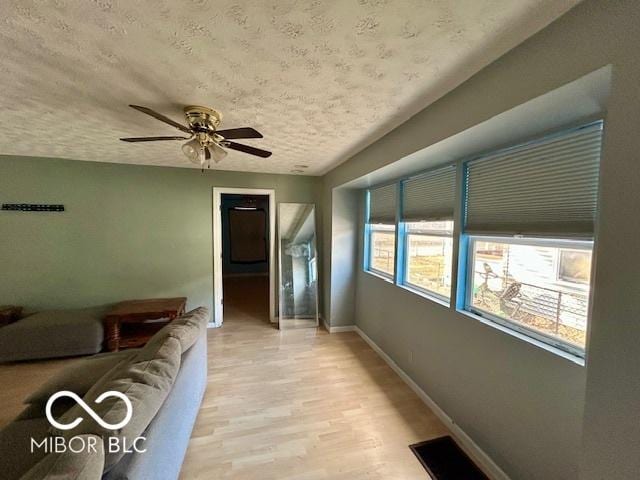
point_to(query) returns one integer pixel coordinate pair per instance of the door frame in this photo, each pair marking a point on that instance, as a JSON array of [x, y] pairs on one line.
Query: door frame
[[217, 248]]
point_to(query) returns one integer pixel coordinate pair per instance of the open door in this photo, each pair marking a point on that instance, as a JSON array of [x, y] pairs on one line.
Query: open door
[[243, 248]]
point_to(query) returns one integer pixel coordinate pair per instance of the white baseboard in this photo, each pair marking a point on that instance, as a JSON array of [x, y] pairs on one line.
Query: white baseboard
[[464, 440], [337, 329], [344, 328]]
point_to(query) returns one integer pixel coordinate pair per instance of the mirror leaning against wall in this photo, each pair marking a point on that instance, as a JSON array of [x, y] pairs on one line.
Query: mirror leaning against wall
[[298, 255]]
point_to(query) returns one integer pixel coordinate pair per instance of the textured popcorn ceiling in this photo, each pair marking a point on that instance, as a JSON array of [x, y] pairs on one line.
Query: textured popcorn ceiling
[[320, 79]]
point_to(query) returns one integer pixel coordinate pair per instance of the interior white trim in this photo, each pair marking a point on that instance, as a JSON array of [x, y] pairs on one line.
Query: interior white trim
[[465, 441], [217, 248], [337, 329], [344, 328]]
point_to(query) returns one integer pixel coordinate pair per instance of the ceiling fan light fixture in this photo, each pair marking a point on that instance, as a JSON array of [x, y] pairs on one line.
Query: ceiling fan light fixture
[[194, 151], [217, 152], [206, 141]]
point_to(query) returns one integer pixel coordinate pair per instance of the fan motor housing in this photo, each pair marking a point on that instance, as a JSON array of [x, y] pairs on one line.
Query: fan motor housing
[[202, 119]]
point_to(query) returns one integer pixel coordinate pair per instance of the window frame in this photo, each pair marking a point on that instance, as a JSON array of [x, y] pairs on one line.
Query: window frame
[[578, 243], [463, 252], [368, 267], [369, 227], [403, 280]]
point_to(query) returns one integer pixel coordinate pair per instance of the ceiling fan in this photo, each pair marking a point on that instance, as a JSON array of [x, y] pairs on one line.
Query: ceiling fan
[[205, 141]]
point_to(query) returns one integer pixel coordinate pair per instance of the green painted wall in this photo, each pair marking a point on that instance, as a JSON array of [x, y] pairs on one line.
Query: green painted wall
[[128, 231]]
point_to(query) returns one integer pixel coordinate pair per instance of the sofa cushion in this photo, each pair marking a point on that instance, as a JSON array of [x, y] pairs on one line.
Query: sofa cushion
[[145, 379], [83, 464], [165, 451], [55, 333], [16, 457], [186, 329], [80, 376]]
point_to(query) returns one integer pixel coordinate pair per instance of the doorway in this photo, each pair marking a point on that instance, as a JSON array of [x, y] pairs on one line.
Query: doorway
[[243, 254]]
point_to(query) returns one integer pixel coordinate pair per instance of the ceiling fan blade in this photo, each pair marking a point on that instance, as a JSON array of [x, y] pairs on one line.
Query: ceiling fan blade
[[235, 133], [247, 149], [162, 118], [151, 139]]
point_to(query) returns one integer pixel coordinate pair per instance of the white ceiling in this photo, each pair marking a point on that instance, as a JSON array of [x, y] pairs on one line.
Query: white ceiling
[[320, 79]]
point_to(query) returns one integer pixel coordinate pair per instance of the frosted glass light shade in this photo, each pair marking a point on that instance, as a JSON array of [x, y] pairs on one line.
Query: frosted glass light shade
[[194, 151], [217, 152]]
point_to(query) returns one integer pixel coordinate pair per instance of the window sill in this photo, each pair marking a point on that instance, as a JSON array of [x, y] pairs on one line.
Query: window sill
[[521, 336], [423, 294], [380, 276]]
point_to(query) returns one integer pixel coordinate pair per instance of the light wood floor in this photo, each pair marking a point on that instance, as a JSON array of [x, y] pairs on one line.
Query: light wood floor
[[299, 404]]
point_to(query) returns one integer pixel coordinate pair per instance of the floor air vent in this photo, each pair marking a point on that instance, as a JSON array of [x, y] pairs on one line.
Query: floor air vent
[[445, 460]]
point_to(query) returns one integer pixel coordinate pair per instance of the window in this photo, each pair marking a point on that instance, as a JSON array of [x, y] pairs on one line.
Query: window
[[529, 219], [515, 282], [382, 249], [574, 266], [427, 215], [381, 230], [428, 256]]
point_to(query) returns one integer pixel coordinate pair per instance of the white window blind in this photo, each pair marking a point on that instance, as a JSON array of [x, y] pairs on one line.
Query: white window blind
[[382, 204], [430, 196], [544, 187]]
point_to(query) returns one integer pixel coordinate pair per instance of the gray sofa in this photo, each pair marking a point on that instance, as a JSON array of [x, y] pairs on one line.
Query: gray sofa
[[53, 333], [164, 381]]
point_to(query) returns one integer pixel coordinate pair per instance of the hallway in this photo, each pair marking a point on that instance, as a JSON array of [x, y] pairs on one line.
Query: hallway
[[246, 298]]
